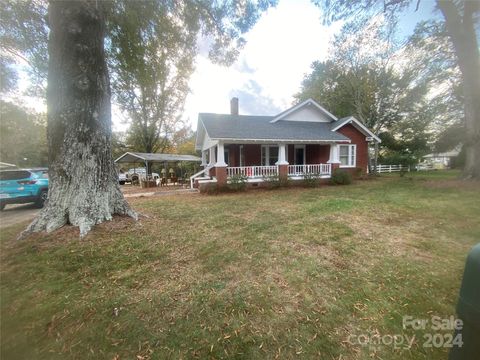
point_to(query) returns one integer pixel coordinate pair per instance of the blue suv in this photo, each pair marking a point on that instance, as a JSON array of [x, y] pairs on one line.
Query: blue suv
[[23, 186]]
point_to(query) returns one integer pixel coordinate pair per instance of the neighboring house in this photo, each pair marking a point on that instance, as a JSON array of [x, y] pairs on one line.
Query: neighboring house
[[303, 139], [441, 159]]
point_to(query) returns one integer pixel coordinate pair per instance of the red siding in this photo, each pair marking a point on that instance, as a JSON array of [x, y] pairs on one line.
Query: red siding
[[291, 154], [253, 154], [362, 145], [317, 154], [233, 155]]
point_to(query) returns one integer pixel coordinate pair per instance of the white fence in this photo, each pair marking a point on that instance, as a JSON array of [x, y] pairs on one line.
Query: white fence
[[392, 168], [300, 170], [252, 171]]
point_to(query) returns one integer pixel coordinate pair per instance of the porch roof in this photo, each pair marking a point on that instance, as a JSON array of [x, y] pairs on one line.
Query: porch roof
[[248, 127], [130, 157]]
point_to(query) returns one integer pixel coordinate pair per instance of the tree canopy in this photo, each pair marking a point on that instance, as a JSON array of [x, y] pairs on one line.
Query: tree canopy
[[23, 136], [461, 20], [151, 47], [370, 76]]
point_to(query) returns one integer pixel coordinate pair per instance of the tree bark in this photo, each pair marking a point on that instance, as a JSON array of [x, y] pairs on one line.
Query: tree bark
[[461, 29], [83, 189]]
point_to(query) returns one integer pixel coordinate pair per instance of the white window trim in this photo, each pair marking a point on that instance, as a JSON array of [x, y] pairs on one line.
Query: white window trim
[[295, 147], [352, 150], [266, 148]]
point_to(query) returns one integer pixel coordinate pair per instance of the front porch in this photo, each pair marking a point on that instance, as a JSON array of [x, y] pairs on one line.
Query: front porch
[[294, 172], [259, 162]]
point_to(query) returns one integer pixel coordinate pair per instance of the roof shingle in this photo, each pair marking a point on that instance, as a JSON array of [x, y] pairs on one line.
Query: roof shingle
[[249, 127]]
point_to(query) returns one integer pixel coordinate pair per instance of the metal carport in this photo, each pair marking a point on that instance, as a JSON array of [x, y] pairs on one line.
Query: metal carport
[[149, 158]]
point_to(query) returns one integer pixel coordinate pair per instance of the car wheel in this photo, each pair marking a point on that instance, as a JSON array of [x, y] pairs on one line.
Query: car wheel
[[122, 182], [42, 198]]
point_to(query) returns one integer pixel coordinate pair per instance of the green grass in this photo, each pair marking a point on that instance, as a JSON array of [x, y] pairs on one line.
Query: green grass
[[263, 274]]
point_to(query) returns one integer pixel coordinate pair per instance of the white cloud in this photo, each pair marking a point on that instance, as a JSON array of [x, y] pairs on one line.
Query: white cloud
[[279, 52]]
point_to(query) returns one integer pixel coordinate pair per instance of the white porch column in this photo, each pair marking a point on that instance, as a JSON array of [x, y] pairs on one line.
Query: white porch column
[[220, 155], [334, 154], [282, 158], [204, 158], [212, 157]]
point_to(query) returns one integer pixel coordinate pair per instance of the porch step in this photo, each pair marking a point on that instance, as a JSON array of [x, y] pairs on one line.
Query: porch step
[[207, 180]]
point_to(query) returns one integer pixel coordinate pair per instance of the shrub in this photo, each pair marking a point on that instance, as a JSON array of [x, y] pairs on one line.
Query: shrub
[[358, 173], [272, 181], [311, 179], [238, 183], [341, 177]]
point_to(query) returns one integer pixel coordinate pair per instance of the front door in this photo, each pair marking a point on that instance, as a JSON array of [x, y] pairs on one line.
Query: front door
[[299, 155]]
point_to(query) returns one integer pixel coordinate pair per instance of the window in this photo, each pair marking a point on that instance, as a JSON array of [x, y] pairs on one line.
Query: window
[[226, 154], [269, 155], [348, 155], [299, 154], [42, 174], [14, 175], [273, 155], [242, 156]]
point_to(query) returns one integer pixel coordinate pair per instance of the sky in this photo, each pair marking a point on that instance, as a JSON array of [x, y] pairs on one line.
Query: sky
[[279, 52], [270, 68]]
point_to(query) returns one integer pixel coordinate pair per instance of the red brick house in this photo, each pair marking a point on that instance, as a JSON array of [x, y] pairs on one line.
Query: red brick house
[[303, 139]]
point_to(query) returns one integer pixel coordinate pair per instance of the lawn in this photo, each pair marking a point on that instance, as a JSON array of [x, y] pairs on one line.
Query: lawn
[[288, 273]]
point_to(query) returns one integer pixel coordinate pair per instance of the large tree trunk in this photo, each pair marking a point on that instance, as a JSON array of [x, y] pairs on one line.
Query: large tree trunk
[[460, 26], [83, 189]]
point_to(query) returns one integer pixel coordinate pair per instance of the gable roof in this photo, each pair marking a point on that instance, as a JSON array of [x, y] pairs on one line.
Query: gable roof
[[358, 124], [309, 102], [249, 127]]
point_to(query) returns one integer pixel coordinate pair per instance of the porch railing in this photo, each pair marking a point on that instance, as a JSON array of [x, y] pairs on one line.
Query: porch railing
[[300, 170], [252, 171], [293, 170]]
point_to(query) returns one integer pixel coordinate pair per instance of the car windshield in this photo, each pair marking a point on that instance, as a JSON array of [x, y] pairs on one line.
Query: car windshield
[[15, 175]]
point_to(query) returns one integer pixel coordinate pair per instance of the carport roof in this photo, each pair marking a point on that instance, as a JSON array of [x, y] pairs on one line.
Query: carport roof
[[130, 157]]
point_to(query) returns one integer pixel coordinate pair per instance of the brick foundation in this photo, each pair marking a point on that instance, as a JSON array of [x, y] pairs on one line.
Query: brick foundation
[[221, 175], [283, 172]]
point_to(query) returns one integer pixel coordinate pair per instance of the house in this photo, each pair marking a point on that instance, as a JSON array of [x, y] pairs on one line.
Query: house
[[305, 139], [441, 160]]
